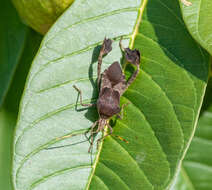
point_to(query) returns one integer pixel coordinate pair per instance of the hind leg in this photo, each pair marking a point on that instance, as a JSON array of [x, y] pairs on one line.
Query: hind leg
[[106, 48]]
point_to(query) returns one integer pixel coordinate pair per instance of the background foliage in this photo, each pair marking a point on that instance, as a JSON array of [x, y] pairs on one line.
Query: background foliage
[[165, 99]]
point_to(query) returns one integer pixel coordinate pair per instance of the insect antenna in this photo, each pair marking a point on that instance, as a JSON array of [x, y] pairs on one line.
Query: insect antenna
[[62, 146], [65, 137]]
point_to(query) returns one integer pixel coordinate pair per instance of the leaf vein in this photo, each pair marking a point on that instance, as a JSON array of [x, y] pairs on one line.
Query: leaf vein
[[172, 12], [56, 173], [75, 53], [115, 174], [132, 159], [102, 182], [47, 116], [66, 82], [129, 9], [38, 149]]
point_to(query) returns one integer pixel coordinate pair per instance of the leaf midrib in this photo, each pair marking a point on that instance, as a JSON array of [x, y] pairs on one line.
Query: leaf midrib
[[140, 13], [96, 161], [138, 22]]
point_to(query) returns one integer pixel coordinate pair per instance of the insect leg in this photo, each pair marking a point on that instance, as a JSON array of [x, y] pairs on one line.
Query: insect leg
[[99, 69], [121, 45], [102, 138], [92, 132], [133, 77], [105, 49], [133, 57], [121, 114], [80, 93]]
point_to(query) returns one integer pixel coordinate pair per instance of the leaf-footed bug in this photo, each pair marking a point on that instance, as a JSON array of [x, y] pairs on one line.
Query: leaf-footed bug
[[111, 84]]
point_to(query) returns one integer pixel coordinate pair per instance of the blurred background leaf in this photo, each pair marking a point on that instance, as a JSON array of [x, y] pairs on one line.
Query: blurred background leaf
[[208, 97], [7, 124], [9, 112], [40, 15], [12, 36], [196, 171], [198, 19], [32, 43]]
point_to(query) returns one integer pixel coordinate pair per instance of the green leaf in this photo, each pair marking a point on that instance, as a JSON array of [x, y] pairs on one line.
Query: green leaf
[[12, 100], [197, 167], [207, 98], [198, 21], [7, 124], [183, 181], [9, 112], [40, 15], [159, 122], [12, 37]]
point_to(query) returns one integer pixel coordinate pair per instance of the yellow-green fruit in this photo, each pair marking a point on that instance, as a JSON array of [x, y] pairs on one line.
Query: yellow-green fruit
[[41, 14]]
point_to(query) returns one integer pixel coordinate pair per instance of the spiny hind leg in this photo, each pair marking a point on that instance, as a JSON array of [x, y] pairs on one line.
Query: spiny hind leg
[[133, 57], [105, 49]]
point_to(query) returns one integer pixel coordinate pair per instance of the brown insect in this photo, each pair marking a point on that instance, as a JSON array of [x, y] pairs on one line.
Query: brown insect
[[111, 84]]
